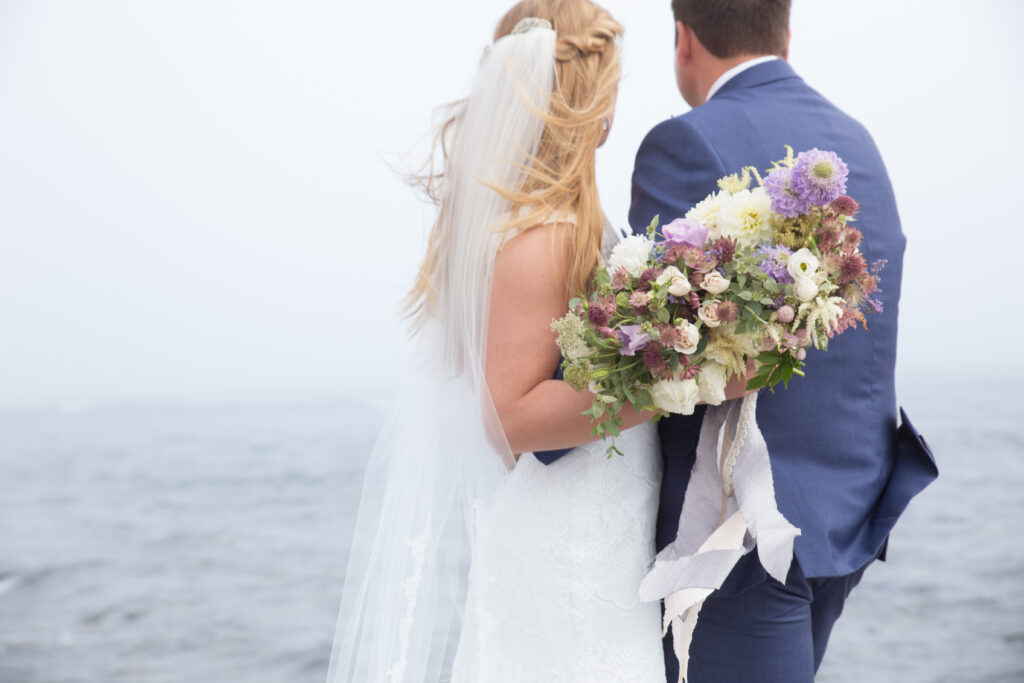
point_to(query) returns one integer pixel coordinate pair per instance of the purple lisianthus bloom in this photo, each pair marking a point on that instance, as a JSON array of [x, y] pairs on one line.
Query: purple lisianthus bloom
[[685, 231], [633, 339], [819, 178], [785, 201], [774, 263]]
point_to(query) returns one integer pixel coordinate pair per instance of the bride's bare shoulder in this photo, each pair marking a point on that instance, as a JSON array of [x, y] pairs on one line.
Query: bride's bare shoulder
[[540, 249]]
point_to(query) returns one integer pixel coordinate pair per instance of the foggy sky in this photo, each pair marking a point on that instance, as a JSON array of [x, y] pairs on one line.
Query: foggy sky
[[199, 201]]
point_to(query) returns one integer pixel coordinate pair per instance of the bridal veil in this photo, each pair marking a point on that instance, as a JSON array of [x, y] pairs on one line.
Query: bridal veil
[[441, 453]]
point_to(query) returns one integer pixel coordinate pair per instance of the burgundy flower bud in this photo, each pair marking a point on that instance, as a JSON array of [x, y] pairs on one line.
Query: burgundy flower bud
[[655, 362], [674, 254], [620, 278], [647, 278], [851, 267], [668, 335], [728, 312], [639, 301], [725, 248], [691, 372], [846, 205], [828, 236], [851, 238], [598, 316]]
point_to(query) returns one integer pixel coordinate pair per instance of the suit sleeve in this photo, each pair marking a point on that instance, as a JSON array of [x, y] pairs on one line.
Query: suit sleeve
[[675, 168]]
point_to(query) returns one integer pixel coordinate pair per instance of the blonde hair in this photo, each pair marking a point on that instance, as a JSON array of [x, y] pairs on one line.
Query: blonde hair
[[560, 181]]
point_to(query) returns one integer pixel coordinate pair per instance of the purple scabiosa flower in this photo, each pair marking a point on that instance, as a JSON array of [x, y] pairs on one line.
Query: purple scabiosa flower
[[803, 338], [877, 266], [845, 205], [775, 262], [685, 232], [819, 178], [655, 362], [639, 301], [728, 312], [786, 314], [785, 201], [598, 316], [633, 339], [620, 279], [851, 267]]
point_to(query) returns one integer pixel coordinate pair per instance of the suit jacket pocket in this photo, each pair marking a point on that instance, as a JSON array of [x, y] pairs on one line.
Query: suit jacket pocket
[[912, 471]]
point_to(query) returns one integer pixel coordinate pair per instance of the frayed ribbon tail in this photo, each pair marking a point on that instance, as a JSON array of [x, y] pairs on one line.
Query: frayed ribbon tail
[[728, 510]]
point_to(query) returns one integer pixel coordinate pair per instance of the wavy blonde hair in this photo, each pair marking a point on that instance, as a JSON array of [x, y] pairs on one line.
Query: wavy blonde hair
[[560, 180]]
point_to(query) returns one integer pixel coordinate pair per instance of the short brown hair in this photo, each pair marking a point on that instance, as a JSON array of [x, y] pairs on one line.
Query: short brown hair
[[728, 28]]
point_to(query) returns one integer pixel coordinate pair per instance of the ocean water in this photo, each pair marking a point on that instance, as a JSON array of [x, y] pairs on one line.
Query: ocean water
[[159, 545]]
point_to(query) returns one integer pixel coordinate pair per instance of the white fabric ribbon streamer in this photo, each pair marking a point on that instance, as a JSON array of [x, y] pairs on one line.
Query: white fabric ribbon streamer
[[728, 510]]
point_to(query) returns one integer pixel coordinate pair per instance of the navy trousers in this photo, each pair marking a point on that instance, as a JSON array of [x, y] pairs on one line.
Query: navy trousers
[[769, 633]]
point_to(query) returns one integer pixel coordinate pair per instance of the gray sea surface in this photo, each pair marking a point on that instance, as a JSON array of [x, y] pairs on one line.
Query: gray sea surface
[[163, 544]]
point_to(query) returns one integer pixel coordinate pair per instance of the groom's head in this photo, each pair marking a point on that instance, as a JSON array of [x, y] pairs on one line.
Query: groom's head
[[712, 36]]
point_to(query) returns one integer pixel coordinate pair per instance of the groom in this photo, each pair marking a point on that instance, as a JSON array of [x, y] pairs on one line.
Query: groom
[[843, 471]]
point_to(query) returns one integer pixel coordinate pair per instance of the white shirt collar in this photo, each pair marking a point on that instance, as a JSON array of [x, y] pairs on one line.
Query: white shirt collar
[[736, 71]]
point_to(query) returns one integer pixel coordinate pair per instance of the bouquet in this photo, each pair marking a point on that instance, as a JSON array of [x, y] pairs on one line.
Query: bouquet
[[754, 275]]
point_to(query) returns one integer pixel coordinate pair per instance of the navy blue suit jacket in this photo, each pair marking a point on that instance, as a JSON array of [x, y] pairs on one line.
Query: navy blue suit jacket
[[844, 471]]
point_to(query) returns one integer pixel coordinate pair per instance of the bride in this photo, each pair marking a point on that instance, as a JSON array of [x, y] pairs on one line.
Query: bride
[[472, 561]]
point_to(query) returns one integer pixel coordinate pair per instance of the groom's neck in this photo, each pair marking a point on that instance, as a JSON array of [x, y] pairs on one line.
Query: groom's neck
[[713, 69]]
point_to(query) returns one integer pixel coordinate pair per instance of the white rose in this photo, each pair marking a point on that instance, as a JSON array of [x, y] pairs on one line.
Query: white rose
[[680, 284], [631, 253], [714, 282], [689, 337], [675, 396], [712, 382], [805, 289], [708, 312], [802, 264]]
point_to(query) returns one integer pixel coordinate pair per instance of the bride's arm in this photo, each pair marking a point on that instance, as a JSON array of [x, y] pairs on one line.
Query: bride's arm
[[528, 292]]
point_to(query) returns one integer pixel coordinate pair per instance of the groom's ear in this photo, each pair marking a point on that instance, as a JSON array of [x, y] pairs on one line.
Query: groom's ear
[[789, 36], [684, 43]]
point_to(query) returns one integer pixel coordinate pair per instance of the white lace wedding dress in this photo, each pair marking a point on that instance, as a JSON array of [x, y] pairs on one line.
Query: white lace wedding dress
[[557, 567]]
